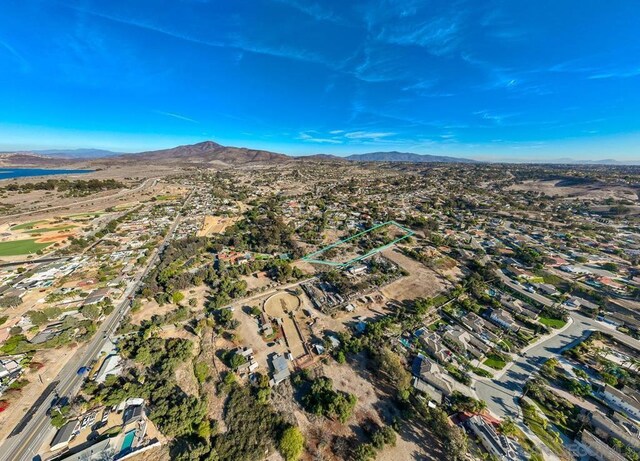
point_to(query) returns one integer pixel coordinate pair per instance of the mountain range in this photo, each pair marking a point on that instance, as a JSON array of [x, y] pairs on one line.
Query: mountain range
[[395, 156], [207, 152]]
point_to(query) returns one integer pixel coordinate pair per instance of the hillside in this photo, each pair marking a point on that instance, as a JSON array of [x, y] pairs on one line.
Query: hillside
[[203, 152], [395, 156]]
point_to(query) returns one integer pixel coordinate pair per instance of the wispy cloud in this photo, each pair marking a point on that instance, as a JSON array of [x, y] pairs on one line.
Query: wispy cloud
[[498, 119], [310, 136], [236, 42], [24, 64], [367, 135], [315, 10], [177, 116], [343, 136], [619, 73], [439, 36]]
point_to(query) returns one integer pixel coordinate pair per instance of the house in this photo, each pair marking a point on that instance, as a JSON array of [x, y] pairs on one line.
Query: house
[[465, 342], [98, 451], [576, 302], [546, 288], [616, 426], [96, 296], [64, 435], [430, 372], [133, 414], [426, 388], [496, 444], [112, 365], [434, 346], [503, 319], [598, 449], [627, 400], [280, 369]]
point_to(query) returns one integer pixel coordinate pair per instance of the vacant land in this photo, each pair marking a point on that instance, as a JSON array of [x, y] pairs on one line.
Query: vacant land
[[215, 225], [421, 281]]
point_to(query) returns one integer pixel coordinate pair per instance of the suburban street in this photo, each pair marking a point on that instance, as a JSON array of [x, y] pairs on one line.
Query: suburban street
[[501, 394], [25, 445]]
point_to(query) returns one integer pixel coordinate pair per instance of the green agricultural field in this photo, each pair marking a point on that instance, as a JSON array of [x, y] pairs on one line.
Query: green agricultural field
[[85, 215], [552, 323], [49, 229], [21, 247], [27, 225], [495, 361]]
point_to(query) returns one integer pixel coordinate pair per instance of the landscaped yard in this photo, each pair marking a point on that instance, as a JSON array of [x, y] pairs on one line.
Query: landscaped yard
[[536, 423], [495, 361], [552, 323], [21, 247]]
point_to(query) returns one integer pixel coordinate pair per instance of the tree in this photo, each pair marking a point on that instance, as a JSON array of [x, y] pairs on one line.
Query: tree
[[383, 436], [177, 297], [508, 427], [90, 311], [291, 444]]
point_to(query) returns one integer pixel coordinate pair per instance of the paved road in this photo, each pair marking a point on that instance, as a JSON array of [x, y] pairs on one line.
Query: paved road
[[514, 286], [502, 392], [25, 445]]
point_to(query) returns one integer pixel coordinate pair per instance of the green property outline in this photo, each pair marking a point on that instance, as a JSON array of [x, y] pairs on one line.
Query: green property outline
[[310, 257]]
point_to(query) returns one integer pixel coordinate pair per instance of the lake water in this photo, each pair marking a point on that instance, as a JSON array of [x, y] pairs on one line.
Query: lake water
[[8, 173]]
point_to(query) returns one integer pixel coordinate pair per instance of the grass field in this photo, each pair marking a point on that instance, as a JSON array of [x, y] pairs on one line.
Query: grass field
[[21, 247], [49, 229], [495, 361], [27, 225], [552, 323], [85, 215]]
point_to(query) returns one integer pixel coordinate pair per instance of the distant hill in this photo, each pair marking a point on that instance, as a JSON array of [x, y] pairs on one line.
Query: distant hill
[[321, 157], [395, 156], [19, 159], [203, 152], [77, 153]]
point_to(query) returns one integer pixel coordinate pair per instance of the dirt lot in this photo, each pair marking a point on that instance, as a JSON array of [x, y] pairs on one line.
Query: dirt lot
[[421, 281], [257, 281], [595, 190], [215, 225]]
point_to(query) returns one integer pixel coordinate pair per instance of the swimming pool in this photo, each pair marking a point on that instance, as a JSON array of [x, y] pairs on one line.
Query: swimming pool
[[128, 440]]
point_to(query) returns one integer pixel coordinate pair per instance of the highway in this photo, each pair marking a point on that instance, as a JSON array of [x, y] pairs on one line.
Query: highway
[[25, 445]]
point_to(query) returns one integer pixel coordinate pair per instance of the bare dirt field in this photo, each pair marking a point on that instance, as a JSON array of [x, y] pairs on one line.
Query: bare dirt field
[[421, 281], [215, 225], [594, 190], [257, 281], [279, 306]]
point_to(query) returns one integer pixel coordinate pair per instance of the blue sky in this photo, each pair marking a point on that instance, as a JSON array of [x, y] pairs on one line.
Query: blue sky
[[499, 80]]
